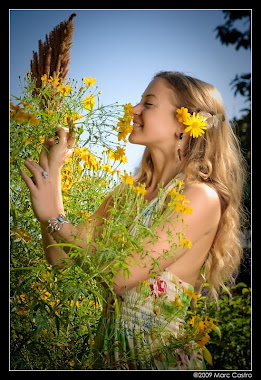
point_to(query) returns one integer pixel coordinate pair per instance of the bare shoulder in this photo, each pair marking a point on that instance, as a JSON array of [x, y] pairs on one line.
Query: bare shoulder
[[202, 190], [203, 199]]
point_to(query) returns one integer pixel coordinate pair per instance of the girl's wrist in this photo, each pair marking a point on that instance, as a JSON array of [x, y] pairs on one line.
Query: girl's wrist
[[56, 224], [55, 174]]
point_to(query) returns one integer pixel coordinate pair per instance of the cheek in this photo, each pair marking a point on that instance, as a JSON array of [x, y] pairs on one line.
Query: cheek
[[164, 127]]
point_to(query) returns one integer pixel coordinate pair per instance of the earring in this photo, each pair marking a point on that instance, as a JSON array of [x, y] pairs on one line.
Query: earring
[[179, 149]]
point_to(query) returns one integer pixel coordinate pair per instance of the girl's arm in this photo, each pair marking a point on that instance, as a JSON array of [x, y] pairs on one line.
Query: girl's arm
[[201, 227], [46, 197], [46, 194], [79, 236]]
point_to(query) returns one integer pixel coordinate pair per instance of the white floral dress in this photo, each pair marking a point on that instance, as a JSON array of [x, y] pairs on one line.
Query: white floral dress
[[147, 329]]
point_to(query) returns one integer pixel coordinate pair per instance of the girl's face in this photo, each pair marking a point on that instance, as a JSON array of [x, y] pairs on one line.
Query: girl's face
[[154, 118]]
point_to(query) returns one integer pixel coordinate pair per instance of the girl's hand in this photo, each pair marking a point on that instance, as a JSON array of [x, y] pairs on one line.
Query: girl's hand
[[45, 193], [54, 155], [46, 200]]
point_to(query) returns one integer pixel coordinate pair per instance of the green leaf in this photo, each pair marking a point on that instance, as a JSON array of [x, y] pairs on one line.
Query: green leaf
[[207, 355], [217, 331], [241, 284]]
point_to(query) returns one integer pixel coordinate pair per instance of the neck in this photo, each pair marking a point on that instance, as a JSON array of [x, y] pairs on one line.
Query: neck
[[165, 167]]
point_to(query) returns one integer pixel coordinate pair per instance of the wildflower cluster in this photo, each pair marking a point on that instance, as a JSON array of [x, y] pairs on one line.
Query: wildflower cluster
[[83, 163], [200, 327], [178, 201], [57, 84], [128, 179], [19, 115], [124, 126]]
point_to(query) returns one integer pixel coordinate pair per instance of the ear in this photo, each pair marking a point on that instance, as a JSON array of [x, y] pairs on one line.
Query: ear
[[179, 131]]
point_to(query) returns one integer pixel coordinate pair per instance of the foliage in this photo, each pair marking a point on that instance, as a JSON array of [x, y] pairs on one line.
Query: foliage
[[50, 309], [236, 31], [229, 35], [233, 349]]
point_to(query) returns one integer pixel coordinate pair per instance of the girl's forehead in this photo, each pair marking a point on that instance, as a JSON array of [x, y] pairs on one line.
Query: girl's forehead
[[162, 89]]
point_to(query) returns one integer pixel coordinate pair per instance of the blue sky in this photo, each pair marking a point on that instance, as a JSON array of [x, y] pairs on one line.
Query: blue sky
[[123, 49]]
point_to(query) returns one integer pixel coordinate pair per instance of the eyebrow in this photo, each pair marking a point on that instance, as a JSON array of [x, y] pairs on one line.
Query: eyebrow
[[149, 95]]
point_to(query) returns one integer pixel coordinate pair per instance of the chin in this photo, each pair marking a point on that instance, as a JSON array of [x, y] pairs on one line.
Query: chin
[[135, 140]]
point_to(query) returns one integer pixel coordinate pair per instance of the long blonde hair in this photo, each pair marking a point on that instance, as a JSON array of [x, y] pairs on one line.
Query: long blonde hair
[[215, 159]]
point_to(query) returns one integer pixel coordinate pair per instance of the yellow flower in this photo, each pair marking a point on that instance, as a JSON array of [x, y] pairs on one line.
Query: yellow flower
[[20, 116], [44, 78], [123, 133], [191, 294], [140, 189], [176, 195], [186, 243], [89, 102], [178, 302], [118, 155], [44, 295], [74, 117], [186, 210], [71, 303], [182, 114], [85, 214], [54, 81], [89, 159], [21, 234], [89, 81], [64, 89], [55, 303], [203, 340], [178, 203], [196, 125], [123, 126], [33, 119], [107, 168], [127, 179]]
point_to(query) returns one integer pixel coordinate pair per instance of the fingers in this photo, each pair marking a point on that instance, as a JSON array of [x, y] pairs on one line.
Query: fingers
[[62, 134], [36, 170], [47, 145], [67, 136], [72, 134], [29, 182], [43, 159]]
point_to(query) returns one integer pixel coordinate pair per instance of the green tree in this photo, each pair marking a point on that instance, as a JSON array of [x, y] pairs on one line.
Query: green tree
[[236, 31]]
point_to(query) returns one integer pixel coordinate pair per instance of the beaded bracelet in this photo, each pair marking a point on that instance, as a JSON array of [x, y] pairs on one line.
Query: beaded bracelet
[[56, 224]]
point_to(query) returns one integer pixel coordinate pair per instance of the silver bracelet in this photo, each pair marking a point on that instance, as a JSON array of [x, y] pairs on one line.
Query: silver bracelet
[[56, 224]]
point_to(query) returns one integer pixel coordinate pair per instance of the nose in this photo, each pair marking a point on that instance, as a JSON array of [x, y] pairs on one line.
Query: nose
[[136, 110]]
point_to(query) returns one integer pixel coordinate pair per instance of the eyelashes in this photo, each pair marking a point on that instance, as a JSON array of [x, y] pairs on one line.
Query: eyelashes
[[146, 104]]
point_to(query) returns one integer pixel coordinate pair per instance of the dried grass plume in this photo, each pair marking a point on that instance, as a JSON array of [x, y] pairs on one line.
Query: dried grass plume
[[53, 57]]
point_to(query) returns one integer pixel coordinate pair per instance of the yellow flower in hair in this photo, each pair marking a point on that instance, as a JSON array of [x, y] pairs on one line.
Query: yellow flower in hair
[[182, 114], [195, 125]]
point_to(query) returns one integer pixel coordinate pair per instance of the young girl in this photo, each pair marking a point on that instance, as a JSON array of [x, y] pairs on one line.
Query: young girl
[[182, 123]]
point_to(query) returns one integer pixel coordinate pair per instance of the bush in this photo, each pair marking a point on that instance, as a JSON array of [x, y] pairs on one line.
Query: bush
[[233, 317]]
